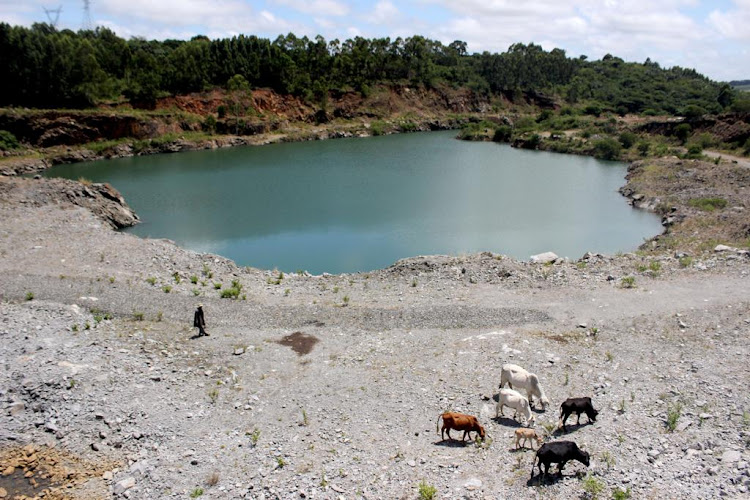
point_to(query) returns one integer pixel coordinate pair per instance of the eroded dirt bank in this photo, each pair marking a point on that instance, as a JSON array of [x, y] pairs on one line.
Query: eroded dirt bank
[[101, 373]]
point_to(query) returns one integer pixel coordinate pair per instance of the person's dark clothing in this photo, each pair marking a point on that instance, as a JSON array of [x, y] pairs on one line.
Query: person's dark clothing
[[199, 321]]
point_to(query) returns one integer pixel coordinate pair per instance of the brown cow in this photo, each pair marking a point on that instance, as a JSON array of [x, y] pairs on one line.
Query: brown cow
[[460, 422]]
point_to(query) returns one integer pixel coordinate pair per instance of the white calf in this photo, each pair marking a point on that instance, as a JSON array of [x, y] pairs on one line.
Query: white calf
[[514, 399], [517, 377]]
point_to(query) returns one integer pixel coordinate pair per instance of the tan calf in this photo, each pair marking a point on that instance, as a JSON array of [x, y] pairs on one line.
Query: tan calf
[[527, 434]]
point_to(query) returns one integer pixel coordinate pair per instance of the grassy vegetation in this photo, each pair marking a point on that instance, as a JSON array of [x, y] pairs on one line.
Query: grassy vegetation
[[426, 491], [673, 416], [708, 204]]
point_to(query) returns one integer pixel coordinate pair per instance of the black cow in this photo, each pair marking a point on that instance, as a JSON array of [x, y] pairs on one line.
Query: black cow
[[558, 452], [577, 406]]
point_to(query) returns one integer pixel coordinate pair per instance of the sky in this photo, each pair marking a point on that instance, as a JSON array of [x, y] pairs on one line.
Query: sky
[[712, 37]]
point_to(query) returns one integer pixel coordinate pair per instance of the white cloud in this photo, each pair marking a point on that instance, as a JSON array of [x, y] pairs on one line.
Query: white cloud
[[735, 23], [385, 12], [181, 18], [318, 7]]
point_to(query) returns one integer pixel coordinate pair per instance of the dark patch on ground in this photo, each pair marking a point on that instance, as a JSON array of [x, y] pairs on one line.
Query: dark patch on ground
[[301, 343], [17, 485]]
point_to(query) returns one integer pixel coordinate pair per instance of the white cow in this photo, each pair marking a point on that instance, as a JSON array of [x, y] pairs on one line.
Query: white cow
[[514, 399], [515, 376]]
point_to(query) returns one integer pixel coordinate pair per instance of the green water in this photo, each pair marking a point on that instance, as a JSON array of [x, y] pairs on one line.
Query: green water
[[350, 205]]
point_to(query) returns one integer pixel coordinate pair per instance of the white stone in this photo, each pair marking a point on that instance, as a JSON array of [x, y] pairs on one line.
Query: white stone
[[124, 485], [544, 258], [731, 456]]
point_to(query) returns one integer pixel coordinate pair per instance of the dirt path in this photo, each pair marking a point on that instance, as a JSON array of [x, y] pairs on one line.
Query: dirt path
[[739, 160]]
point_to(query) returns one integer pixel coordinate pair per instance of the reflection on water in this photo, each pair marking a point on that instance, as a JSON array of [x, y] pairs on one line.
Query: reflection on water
[[359, 204]]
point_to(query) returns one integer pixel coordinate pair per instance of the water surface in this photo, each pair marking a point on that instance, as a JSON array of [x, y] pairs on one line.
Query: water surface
[[350, 205]]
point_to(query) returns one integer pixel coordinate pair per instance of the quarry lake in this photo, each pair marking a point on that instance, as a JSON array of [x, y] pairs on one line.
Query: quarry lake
[[351, 205]]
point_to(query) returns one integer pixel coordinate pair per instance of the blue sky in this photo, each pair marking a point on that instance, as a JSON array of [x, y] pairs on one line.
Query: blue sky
[[711, 36]]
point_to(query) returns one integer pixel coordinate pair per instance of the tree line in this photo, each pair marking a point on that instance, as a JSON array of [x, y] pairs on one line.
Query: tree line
[[49, 68]]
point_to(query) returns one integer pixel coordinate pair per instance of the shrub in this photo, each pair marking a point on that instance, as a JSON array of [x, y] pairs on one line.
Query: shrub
[[8, 141], [627, 282], [673, 416], [607, 149], [592, 486], [682, 132], [592, 109], [627, 139], [196, 493], [209, 124], [694, 151], [426, 491], [545, 115], [502, 134], [691, 112], [29, 296], [619, 494], [643, 148]]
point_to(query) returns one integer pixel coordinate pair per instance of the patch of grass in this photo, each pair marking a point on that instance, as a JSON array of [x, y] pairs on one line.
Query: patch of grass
[[159, 315], [277, 280], [567, 378], [151, 280], [686, 261], [746, 419], [280, 462], [627, 282], [194, 279], [619, 494], [609, 356], [621, 408], [213, 395], [673, 416], [196, 292], [654, 266], [176, 277], [166, 288], [426, 491], [196, 493], [708, 204], [414, 283], [74, 327], [305, 421], [217, 286], [111, 279], [29, 296], [254, 436], [594, 487], [345, 299], [138, 315], [608, 459]]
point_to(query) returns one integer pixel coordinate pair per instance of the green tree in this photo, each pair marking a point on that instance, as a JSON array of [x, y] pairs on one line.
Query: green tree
[[682, 132]]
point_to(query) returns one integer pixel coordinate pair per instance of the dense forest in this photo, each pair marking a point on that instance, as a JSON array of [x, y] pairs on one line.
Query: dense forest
[[49, 68]]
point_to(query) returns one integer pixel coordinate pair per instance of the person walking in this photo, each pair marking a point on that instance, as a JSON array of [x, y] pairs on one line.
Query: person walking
[[199, 321]]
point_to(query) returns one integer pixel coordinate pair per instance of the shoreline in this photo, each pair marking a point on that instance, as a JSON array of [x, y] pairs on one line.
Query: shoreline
[[103, 372]]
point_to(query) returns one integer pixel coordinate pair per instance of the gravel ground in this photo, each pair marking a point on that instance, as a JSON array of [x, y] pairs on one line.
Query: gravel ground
[[106, 391]]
